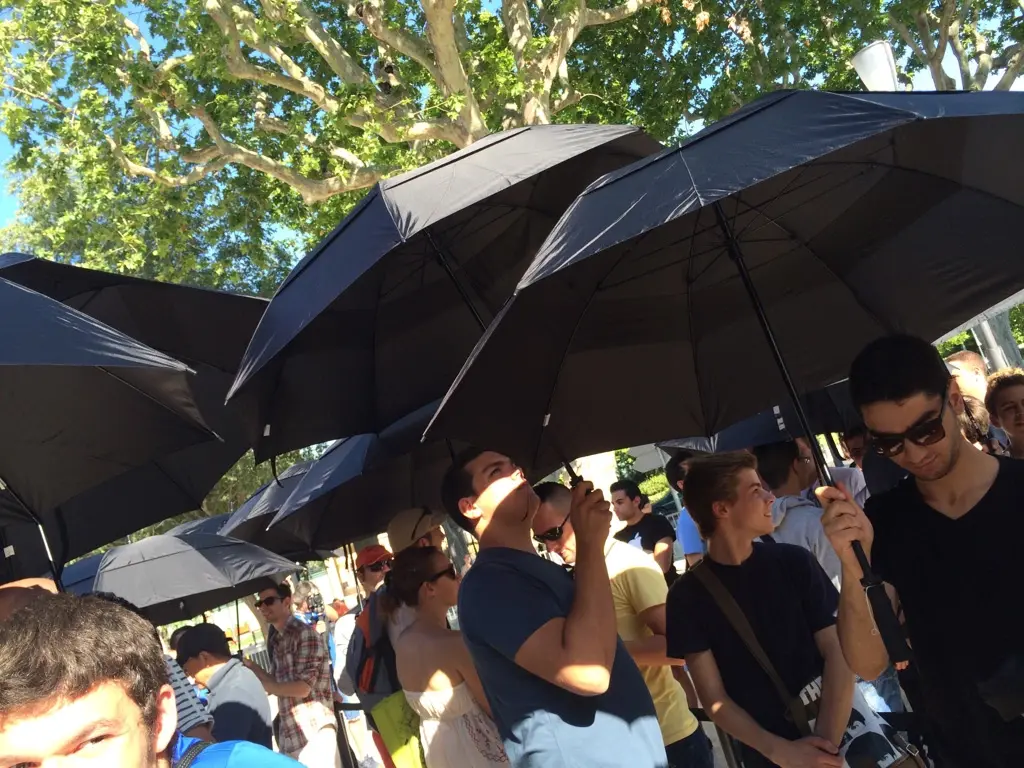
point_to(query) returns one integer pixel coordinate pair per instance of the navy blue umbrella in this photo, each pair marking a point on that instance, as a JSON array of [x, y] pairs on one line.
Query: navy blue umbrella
[[361, 482], [81, 404], [201, 525], [208, 331], [376, 321], [251, 521]]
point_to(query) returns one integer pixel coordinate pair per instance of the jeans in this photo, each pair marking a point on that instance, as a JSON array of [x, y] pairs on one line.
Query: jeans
[[692, 752], [883, 694]]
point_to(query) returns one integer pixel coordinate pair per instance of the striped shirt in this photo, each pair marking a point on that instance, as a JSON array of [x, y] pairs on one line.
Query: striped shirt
[[191, 711]]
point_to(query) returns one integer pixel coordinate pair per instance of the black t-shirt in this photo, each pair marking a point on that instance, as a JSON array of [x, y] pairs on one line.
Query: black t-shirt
[[960, 583], [646, 533], [786, 597]]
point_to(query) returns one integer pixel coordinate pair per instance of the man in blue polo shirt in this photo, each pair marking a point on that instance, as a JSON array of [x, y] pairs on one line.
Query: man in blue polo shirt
[[560, 683]]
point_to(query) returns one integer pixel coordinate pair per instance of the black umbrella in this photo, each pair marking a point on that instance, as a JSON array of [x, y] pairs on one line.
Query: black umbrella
[[173, 578], [377, 320], [828, 410], [361, 482], [207, 330], [80, 403], [833, 217], [251, 520]]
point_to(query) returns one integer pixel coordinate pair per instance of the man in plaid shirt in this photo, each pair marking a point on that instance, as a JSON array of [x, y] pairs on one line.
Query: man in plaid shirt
[[300, 677]]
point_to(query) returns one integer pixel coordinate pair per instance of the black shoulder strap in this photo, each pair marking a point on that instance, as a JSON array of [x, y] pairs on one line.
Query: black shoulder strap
[[735, 616], [191, 754]]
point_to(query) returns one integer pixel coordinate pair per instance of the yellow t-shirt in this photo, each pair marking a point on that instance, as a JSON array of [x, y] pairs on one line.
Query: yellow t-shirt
[[638, 584]]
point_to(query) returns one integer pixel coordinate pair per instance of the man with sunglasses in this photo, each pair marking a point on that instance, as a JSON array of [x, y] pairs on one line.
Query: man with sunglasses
[[947, 539], [560, 682], [300, 677], [639, 593]]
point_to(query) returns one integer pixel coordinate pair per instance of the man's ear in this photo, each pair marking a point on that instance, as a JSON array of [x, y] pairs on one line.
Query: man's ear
[[720, 509], [469, 509], [166, 719]]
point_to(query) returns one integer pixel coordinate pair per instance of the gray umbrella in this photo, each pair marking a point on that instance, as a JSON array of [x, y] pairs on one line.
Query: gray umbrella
[[173, 578]]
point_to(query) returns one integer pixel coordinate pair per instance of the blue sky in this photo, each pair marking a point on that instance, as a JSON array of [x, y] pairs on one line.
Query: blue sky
[[9, 203]]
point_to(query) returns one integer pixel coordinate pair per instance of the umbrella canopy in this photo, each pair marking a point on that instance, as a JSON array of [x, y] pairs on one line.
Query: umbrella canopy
[[828, 410], [854, 214], [361, 482], [202, 525], [173, 578], [207, 330], [80, 403], [377, 320], [251, 520]]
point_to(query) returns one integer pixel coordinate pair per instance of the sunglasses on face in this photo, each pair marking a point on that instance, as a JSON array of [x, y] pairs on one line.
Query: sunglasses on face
[[551, 534], [377, 567], [450, 572], [267, 601], [924, 434]]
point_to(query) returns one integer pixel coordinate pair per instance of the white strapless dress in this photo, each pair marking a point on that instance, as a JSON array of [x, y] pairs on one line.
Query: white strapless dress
[[454, 731]]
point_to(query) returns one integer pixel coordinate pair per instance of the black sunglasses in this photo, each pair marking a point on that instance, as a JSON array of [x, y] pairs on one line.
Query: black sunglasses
[[450, 572], [376, 567], [267, 601], [924, 434], [551, 534]]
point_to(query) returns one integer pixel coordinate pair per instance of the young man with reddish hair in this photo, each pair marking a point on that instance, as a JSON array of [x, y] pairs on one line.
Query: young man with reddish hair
[[788, 601]]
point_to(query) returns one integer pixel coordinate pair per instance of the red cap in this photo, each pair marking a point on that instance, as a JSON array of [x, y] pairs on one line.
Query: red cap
[[372, 554]]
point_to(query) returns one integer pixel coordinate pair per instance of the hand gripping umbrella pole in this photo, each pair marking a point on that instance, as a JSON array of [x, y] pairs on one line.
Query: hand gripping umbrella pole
[[885, 619]]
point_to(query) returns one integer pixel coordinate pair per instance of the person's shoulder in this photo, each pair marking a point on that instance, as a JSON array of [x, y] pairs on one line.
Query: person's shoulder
[[622, 559], [686, 587], [1011, 469], [781, 552], [880, 507], [236, 754]]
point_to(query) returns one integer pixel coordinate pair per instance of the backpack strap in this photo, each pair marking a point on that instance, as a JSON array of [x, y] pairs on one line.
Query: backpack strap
[[191, 754], [735, 616]]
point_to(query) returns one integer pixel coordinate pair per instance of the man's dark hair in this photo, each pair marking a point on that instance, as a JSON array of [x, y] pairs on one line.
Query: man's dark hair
[[895, 368], [713, 478], [283, 589], [59, 647], [675, 472], [967, 358], [551, 492], [203, 637], [631, 489], [456, 485], [775, 461]]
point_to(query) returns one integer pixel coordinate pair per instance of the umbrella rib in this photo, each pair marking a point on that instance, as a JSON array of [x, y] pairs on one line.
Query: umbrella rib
[[198, 427], [689, 318], [800, 243]]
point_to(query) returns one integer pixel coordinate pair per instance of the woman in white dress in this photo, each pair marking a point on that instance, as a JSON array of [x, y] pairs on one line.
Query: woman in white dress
[[435, 669]]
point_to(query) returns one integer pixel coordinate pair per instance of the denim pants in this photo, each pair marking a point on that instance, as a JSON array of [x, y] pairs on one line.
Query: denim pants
[[692, 752], [883, 694]]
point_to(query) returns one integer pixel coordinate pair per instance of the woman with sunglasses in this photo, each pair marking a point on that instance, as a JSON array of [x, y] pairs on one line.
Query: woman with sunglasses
[[435, 669]]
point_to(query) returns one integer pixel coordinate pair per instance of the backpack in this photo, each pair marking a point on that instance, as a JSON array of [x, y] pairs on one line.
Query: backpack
[[192, 754], [370, 662]]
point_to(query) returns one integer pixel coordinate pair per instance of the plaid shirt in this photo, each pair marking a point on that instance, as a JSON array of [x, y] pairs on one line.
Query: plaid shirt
[[299, 653]]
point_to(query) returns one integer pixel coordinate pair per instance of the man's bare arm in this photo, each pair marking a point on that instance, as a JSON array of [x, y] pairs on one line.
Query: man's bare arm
[[836, 688], [663, 554]]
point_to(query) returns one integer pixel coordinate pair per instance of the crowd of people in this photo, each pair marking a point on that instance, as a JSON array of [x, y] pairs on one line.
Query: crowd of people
[[595, 650]]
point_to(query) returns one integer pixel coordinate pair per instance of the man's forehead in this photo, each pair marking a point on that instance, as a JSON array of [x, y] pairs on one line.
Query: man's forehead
[[895, 416], [1009, 393], [486, 459]]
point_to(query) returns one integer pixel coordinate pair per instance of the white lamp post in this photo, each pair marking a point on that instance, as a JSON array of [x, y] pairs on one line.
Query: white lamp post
[[876, 66]]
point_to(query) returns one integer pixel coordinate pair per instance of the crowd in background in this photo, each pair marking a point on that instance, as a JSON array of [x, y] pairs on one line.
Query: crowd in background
[[597, 652]]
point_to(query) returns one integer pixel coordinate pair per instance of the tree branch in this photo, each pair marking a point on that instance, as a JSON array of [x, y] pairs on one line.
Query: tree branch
[[145, 49], [516, 18], [337, 58], [618, 13], [1013, 68], [443, 41], [135, 169], [399, 40], [908, 38]]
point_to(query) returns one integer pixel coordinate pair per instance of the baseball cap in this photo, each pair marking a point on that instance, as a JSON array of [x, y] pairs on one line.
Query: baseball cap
[[372, 554], [411, 525], [202, 637]]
